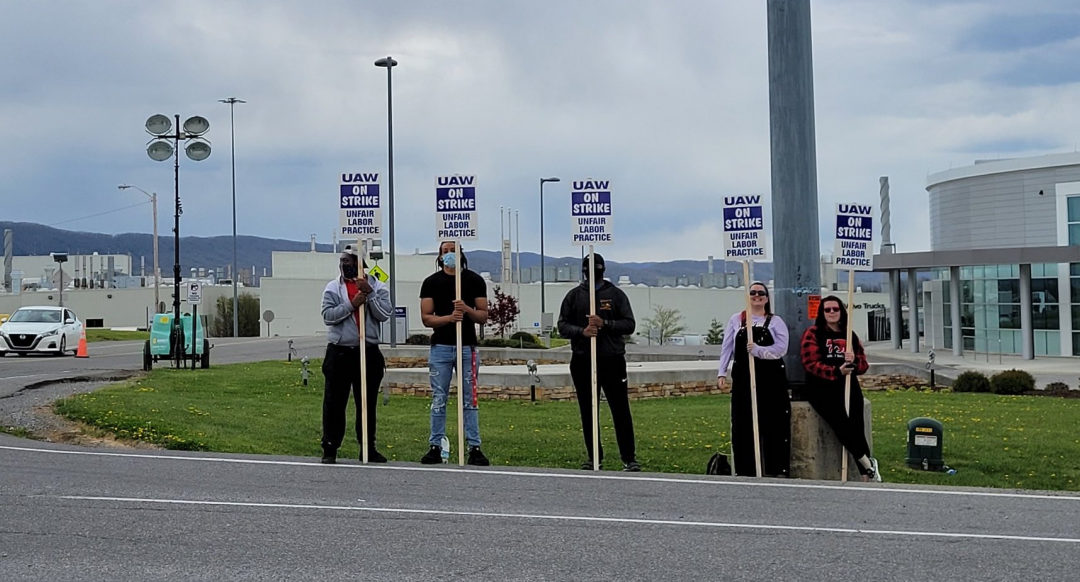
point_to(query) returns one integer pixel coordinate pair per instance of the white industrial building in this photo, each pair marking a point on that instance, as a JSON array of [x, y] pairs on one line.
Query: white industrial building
[[294, 292]]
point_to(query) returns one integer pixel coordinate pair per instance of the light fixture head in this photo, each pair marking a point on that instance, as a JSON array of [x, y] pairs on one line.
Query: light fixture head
[[386, 62], [158, 124], [196, 125], [552, 179], [159, 150], [198, 150]]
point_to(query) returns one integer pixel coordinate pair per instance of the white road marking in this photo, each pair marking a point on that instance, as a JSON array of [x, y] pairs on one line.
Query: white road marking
[[787, 484], [583, 518]]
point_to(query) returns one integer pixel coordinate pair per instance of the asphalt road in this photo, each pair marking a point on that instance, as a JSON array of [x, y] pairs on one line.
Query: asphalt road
[[77, 514]]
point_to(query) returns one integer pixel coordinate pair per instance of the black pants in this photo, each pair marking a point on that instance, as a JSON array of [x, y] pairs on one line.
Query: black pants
[[774, 420], [611, 378], [828, 401], [341, 368]]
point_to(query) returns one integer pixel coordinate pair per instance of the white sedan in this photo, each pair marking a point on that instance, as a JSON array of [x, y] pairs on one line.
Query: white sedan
[[40, 330]]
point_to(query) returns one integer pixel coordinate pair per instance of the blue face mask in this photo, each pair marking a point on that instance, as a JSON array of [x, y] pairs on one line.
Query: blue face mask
[[449, 260]]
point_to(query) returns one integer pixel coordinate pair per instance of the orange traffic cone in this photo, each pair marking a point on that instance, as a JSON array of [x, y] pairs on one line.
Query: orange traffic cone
[[81, 352]]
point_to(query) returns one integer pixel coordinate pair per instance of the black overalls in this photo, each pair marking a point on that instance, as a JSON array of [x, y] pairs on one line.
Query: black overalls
[[774, 408]]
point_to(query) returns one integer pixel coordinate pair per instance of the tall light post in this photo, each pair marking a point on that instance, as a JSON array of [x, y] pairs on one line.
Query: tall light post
[[232, 101], [153, 203], [159, 150], [389, 63], [543, 305]]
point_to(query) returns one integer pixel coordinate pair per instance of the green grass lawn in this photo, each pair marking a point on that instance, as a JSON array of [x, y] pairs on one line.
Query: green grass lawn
[[97, 334], [993, 441]]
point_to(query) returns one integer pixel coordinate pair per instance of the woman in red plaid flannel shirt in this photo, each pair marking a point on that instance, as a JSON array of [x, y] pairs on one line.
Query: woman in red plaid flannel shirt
[[828, 360]]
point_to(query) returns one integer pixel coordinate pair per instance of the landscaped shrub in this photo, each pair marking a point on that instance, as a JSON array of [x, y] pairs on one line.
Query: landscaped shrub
[[1057, 388], [525, 337], [418, 339], [1011, 382], [971, 381], [508, 343]]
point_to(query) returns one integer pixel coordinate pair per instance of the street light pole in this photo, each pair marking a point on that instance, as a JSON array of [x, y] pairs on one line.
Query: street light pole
[[232, 101], [543, 305], [389, 63], [157, 280]]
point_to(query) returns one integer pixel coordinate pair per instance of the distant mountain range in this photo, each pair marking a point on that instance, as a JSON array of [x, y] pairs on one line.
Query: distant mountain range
[[253, 251]]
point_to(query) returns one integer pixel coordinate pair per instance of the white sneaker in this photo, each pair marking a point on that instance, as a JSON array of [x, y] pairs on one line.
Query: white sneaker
[[875, 473]]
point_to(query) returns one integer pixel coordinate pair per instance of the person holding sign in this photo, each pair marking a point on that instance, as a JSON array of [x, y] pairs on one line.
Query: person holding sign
[[766, 344], [613, 320], [828, 360], [440, 309], [341, 302]]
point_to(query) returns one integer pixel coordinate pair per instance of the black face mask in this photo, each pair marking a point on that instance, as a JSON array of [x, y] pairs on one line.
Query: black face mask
[[349, 271]]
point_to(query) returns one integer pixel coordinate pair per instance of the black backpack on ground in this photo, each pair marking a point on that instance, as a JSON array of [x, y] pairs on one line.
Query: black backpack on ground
[[718, 465]]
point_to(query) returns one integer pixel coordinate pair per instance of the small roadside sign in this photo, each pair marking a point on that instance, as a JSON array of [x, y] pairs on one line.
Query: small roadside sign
[[361, 205], [590, 213], [194, 293], [379, 273], [455, 208], [854, 249], [747, 228]]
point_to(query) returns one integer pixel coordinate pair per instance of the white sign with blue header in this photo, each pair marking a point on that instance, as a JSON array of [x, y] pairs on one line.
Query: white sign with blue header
[[590, 213], [854, 237], [361, 206], [455, 207], [747, 228]]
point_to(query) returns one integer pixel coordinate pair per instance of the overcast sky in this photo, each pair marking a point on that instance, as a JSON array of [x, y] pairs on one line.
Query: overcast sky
[[668, 100]]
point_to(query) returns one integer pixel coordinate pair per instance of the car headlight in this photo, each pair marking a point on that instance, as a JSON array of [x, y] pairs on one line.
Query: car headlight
[[52, 332]]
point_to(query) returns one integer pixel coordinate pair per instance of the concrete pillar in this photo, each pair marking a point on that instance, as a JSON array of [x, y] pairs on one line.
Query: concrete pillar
[[913, 309], [954, 311], [816, 453], [1026, 327], [896, 316], [794, 169]]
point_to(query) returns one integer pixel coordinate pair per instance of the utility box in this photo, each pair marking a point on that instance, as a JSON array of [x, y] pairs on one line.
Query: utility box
[[924, 444]]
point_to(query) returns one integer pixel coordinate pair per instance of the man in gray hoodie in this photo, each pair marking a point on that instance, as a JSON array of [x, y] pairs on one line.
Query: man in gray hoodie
[[341, 301]]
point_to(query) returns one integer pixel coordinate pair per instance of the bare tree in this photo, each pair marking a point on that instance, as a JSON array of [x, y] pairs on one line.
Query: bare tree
[[663, 324]]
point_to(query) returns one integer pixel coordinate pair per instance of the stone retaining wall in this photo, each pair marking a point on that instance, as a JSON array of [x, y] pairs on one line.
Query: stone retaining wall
[[557, 393]]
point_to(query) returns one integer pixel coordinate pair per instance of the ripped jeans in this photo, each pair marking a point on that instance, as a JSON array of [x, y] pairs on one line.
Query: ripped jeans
[[442, 359]]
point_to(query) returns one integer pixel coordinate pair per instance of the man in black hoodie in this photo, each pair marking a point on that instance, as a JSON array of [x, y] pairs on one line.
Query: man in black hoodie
[[612, 321]]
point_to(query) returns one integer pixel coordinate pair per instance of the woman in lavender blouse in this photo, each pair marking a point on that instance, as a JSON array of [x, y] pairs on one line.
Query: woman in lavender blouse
[[767, 345]]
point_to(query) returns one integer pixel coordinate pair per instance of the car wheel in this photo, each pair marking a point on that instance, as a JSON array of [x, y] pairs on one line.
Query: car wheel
[[63, 346]]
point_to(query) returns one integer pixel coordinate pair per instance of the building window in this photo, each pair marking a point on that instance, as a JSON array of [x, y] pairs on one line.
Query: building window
[[1072, 204], [1074, 287]]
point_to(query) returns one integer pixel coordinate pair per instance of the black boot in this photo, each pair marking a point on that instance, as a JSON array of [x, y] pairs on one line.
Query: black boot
[[329, 455]]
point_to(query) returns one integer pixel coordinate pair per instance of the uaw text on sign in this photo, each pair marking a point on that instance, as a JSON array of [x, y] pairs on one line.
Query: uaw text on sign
[[854, 237], [455, 207], [590, 212], [361, 206], [746, 232]]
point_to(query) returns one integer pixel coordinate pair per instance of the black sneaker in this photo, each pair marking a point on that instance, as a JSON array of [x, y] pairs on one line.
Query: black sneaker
[[631, 467], [329, 457], [476, 457], [587, 465], [373, 456], [433, 456]]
